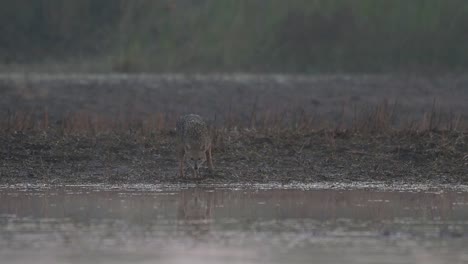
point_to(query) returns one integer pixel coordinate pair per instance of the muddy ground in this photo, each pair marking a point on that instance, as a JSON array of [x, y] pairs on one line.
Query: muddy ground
[[52, 155], [246, 157]]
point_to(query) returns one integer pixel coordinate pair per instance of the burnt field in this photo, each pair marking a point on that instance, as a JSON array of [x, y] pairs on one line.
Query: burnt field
[[119, 128]]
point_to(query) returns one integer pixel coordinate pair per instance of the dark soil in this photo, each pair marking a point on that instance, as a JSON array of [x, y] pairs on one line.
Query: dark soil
[[240, 157]]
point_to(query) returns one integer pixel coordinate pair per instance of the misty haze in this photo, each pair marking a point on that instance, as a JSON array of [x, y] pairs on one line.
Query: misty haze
[[233, 131]]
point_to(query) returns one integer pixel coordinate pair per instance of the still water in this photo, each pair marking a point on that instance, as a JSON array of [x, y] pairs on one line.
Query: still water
[[223, 225]]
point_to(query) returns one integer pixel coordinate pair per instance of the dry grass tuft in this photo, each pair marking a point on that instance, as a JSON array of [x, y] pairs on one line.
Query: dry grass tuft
[[380, 119]]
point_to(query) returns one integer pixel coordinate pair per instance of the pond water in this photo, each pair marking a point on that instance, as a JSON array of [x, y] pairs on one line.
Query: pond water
[[224, 225]]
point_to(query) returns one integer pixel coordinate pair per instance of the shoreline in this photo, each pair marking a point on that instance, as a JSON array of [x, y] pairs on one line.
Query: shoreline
[[318, 186], [243, 157]]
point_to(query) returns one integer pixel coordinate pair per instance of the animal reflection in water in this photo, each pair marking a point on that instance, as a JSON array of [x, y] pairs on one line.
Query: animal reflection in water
[[195, 211]]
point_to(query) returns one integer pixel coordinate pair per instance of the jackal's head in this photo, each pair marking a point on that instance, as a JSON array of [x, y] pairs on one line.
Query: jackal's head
[[195, 156]]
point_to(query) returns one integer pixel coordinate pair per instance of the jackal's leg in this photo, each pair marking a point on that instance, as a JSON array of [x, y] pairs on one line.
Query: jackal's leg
[[181, 154], [181, 167], [209, 158]]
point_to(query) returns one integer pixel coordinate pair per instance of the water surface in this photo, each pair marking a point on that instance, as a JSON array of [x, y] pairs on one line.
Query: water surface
[[222, 225]]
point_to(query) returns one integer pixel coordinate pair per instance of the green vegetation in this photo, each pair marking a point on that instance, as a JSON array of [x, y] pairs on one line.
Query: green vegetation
[[238, 35]]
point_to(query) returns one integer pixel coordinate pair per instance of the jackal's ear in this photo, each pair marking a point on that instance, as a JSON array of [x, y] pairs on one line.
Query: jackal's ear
[[187, 147]]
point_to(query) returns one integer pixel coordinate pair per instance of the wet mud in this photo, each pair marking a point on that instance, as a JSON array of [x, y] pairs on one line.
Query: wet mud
[[248, 157]]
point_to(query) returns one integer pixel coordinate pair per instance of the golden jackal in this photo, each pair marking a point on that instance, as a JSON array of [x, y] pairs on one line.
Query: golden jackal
[[193, 143]]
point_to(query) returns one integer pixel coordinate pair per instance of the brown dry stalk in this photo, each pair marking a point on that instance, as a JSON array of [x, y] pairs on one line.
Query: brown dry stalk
[[381, 119]]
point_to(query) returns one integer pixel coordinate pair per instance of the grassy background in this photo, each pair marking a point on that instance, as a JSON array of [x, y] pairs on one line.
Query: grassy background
[[300, 36]]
